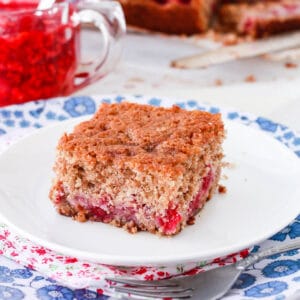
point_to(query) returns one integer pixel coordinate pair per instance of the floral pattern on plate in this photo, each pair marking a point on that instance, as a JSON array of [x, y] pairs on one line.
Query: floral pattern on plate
[[274, 278]]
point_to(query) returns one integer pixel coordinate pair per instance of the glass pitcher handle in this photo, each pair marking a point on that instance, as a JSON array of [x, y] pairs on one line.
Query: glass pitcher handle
[[108, 18]]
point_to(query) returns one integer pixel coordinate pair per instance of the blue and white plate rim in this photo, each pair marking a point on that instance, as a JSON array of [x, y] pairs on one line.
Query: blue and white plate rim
[[76, 106], [45, 112], [36, 114]]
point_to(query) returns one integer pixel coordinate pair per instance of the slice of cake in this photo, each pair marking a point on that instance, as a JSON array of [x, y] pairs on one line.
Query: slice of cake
[[170, 16], [261, 19], [139, 167]]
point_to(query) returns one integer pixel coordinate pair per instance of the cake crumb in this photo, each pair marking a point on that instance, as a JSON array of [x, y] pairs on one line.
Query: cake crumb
[[222, 189], [135, 80], [81, 216], [224, 177], [230, 39], [191, 221], [218, 35], [129, 86], [250, 78], [218, 82], [131, 227], [228, 165], [290, 65]]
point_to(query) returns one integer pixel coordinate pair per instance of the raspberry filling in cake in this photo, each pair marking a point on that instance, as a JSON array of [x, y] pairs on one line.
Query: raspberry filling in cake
[[170, 221], [102, 209], [139, 167], [276, 11]]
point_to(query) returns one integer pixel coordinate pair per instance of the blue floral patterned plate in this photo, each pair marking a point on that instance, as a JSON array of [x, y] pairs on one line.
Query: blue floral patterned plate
[[264, 171], [275, 278]]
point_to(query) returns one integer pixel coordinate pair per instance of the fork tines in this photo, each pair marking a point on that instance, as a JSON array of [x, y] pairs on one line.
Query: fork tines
[[159, 289]]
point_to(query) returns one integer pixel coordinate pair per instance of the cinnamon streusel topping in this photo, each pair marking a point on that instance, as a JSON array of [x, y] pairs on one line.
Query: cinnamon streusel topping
[[143, 137]]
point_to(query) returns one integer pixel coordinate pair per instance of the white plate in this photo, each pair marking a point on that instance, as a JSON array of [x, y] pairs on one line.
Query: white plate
[[263, 196]]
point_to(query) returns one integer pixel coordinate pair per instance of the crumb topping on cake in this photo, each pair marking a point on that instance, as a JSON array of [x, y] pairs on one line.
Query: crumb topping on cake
[[143, 136]]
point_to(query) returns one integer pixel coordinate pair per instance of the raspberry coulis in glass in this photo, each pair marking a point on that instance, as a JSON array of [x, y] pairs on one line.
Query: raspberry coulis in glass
[[38, 53]]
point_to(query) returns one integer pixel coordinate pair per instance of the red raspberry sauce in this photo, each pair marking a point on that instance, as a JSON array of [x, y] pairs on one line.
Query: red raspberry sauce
[[38, 54]]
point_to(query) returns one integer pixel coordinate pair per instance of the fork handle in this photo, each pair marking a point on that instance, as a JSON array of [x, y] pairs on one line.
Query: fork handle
[[253, 258]]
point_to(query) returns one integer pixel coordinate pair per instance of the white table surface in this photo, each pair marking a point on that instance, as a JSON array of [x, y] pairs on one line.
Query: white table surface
[[144, 69]]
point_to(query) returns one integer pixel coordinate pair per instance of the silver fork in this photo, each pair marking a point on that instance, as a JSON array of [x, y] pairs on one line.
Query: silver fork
[[210, 285]]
